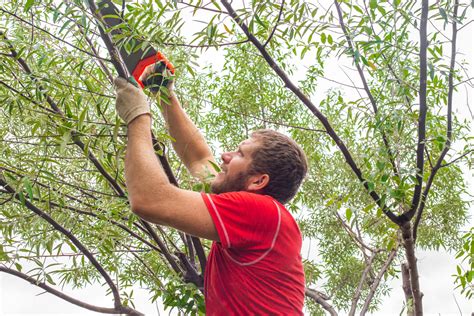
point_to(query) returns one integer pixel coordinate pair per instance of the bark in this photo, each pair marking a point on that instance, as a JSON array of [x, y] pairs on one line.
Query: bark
[[321, 299], [407, 289], [409, 244], [423, 108], [449, 121]]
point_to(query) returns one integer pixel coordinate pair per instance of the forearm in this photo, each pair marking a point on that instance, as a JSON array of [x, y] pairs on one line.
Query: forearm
[[190, 144], [143, 173]]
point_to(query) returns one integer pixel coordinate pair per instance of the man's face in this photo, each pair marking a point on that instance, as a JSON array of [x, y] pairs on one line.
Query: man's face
[[234, 169]]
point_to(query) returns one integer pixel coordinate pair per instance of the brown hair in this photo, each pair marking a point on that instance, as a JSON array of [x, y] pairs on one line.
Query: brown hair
[[283, 160]]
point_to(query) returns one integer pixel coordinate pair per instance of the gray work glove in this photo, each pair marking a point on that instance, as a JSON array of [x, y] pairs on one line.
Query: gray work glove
[[131, 101]]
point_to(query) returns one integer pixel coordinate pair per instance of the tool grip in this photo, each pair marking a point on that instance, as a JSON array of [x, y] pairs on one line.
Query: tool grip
[[142, 64]]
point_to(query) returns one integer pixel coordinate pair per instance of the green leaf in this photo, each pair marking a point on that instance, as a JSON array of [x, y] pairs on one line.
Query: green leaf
[[28, 5], [443, 14], [214, 166], [370, 186], [373, 4], [28, 188], [348, 214]]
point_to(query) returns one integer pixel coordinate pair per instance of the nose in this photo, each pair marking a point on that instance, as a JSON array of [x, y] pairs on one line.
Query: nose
[[226, 157]]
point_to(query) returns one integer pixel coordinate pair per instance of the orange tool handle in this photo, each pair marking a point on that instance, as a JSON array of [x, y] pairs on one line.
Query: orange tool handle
[[142, 64]]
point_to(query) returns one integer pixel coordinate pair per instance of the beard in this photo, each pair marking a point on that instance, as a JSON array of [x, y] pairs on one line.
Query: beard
[[234, 184]]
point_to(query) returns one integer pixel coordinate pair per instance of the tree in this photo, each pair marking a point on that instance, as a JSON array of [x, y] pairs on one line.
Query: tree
[[384, 176]]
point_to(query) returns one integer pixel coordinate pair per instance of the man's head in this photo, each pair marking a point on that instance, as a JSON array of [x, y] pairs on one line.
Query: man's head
[[267, 163]]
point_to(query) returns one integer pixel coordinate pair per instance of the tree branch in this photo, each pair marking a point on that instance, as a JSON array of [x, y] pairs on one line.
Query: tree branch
[[307, 102], [71, 237], [74, 135], [321, 299], [456, 159], [366, 86], [358, 291], [202, 8], [122, 71], [276, 23], [449, 132], [422, 116], [49, 289], [377, 280], [54, 36], [409, 245], [407, 289]]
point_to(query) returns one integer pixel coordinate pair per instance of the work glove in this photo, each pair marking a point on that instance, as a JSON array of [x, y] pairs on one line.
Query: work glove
[[130, 101], [160, 74]]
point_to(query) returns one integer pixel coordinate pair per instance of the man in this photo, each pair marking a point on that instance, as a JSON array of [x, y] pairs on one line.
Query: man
[[254, 266]]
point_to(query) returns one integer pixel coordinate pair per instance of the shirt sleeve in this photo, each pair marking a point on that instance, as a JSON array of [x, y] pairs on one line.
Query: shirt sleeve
[[243, 219]]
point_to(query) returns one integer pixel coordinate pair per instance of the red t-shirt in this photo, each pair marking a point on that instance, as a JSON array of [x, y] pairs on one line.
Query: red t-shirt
[[256, 267]]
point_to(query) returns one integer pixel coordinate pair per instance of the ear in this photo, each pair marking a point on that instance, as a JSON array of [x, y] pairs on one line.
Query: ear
[[258, 182]]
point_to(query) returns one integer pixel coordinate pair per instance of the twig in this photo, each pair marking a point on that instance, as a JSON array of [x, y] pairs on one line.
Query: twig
[[454, 160], [358, 291], [276, 23], [377, 280], [202, 8], [117, 310]]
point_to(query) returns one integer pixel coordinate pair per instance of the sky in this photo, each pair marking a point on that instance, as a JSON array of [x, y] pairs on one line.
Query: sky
[[17, 297]]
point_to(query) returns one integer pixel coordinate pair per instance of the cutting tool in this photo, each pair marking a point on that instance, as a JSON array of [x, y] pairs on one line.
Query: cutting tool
[[136, 54]]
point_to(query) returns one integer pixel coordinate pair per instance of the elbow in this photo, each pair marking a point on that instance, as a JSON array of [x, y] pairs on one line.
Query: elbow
[[148, 211]]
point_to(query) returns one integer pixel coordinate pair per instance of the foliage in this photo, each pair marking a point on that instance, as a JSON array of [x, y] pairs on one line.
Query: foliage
[[69, 67]]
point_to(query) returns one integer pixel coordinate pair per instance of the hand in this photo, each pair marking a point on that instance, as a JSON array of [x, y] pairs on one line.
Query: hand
[[157, 75], [131, 101]]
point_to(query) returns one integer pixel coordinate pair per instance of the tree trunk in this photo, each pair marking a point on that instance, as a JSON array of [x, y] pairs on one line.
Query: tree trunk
[[409, 246], [407, 289]]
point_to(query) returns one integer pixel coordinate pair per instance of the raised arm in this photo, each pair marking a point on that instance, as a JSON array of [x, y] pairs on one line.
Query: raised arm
[[189, 143]]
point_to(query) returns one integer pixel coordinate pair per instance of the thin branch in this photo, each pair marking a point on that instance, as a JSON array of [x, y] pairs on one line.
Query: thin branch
[[358, 291], [377, 280], [458, 158], [276, 23], [366, 86], [54, 36], [353, 235], [307, 102], [202, 8], [71, 237], [26, 97], [204, 46], [321, 299], [74, 135], [49, 289]]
